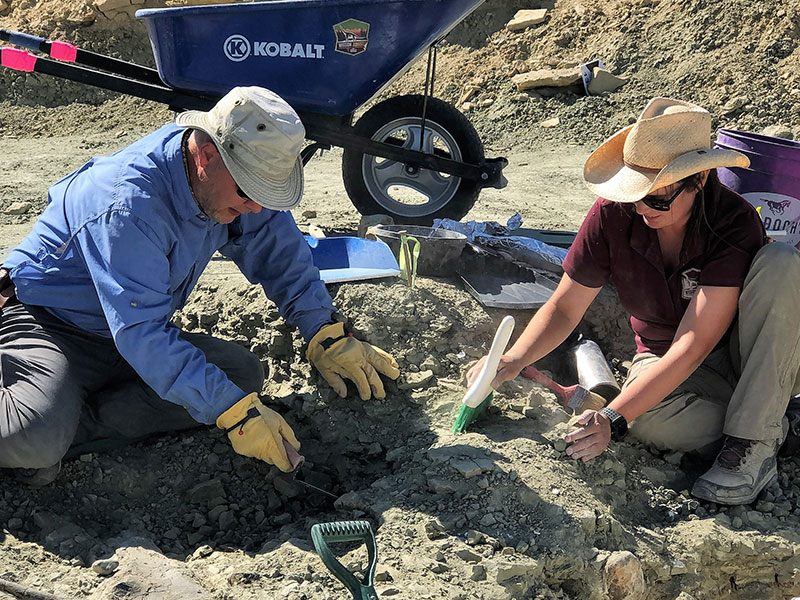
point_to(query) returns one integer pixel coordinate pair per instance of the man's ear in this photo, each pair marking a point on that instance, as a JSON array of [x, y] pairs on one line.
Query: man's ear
[[207, 154], [703, 177]]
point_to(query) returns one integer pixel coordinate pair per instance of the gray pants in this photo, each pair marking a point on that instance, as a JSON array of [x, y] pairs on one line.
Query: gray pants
[[742, 390], [62, 387]]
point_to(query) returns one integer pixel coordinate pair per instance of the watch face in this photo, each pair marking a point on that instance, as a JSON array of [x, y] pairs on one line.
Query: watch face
[[619, 427]]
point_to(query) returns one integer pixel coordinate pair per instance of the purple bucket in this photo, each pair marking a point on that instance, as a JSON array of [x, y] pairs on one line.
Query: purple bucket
[[778, 196], [745, 142], [771, 184], [768, 164]]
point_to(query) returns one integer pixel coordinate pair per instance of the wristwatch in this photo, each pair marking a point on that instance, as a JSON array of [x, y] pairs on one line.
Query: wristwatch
[[619, 426]]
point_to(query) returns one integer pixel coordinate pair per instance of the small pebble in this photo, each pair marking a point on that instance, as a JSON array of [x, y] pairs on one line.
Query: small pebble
[[105, 567], [390, 591]]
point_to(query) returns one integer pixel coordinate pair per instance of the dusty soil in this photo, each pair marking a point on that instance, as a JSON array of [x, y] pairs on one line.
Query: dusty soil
[[499, 512]]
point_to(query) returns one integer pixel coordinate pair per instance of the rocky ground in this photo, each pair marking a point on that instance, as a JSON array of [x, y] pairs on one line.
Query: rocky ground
[[500, 512]]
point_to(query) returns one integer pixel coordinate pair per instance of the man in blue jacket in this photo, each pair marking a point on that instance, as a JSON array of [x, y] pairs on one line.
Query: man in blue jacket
[[87, 349]]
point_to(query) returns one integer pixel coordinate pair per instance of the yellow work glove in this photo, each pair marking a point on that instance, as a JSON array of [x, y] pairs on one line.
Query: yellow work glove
[[258, 431], [336, 355]]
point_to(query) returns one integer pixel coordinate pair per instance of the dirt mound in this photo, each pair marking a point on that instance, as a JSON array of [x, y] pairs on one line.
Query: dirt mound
[[738, 58], [500, 512]]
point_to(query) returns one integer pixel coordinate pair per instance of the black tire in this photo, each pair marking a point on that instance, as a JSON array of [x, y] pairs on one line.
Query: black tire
[[379, 186]]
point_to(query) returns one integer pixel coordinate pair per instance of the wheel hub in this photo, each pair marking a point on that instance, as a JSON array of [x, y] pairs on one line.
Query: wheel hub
[[407, 189]]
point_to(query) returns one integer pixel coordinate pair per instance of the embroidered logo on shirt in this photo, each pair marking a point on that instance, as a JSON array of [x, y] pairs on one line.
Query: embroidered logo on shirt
[[689, 283]]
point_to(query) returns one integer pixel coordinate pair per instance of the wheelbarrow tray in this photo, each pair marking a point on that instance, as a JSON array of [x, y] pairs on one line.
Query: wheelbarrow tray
[[324, 56]]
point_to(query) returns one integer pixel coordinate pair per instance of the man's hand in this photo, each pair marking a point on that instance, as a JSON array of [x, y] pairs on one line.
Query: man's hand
[[258, 431], [337, 355], [6, 287], [591, 439]]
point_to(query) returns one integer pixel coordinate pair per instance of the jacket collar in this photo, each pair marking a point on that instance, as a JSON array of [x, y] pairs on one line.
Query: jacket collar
[[183, 199]]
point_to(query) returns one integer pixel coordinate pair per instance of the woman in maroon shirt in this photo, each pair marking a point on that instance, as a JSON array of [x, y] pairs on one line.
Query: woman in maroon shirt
[[714, 307]]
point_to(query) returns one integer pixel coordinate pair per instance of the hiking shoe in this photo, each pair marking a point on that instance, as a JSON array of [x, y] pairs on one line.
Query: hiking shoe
[[742, 469], [791, 446], [37, 477]]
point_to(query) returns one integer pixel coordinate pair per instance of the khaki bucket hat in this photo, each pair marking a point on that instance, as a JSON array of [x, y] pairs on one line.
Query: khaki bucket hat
[[670, 140], [259, 137]]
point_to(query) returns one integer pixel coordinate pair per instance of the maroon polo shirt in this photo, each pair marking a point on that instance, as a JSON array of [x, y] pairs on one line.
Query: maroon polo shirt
[[614, 242]]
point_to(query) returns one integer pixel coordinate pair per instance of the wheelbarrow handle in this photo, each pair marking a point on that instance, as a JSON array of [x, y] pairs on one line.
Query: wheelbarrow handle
[[19, 60], [348, 531], [26, 40], [66, 52], [59, 50]]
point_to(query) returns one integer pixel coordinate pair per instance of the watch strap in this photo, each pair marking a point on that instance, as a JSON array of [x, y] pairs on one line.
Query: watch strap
[[611, 414], [619, 425]]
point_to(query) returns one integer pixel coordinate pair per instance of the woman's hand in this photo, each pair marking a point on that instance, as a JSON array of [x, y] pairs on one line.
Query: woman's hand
[[507, 370], [591, 439]]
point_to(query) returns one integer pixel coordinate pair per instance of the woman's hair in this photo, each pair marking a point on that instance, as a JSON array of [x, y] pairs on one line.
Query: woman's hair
[[699, 208], [705, 206]]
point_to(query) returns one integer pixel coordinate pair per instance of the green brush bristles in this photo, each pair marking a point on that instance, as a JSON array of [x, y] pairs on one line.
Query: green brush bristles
[[468, 414]]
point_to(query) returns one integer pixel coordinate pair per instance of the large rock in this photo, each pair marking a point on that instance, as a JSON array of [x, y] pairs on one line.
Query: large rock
[[734, 104], [18, 208], [623, 577], [780, 131], [604, 81], [109, 6], [145, 573], [369, 221], [516, 577], [546, 78], [526, 18]]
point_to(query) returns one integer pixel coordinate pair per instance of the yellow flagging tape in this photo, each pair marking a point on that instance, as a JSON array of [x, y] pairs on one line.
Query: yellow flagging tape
[[409, 255]]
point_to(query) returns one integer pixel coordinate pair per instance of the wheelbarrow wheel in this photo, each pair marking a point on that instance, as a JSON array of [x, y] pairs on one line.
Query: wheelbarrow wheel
[[412, 195]]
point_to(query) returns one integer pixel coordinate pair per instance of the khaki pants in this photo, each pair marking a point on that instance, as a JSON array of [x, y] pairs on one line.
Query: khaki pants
[[742, 390]]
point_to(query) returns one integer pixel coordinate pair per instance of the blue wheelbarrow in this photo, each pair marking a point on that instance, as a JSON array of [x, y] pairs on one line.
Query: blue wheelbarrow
[[413, 157]]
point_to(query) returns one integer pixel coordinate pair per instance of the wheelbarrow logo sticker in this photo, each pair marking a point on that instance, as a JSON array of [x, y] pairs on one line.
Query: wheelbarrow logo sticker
[[351, 36], [236, 47]]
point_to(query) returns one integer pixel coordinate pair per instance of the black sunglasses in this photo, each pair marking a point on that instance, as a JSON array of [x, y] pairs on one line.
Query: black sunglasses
[[242, 195], [659, 203]]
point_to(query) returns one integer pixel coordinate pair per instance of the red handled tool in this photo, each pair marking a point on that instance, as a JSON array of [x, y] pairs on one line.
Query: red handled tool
[[575, 397]]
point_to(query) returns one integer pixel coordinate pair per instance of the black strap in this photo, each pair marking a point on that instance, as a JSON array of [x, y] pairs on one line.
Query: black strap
[[328, 342], [252, 413]]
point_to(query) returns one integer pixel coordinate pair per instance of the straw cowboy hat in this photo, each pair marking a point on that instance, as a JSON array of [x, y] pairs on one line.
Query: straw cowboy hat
[[670, 140]]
